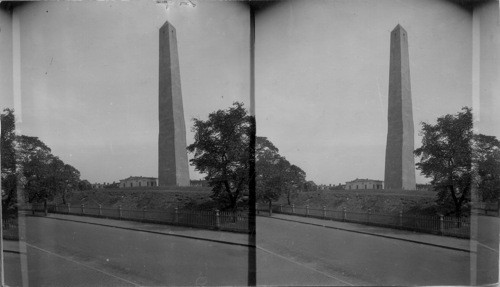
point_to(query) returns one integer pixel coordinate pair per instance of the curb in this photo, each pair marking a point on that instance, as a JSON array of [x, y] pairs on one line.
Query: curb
[[374, 234], [151, 231]]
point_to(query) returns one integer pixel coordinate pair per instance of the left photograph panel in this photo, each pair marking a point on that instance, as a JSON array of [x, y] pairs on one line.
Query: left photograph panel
[[125, 143]]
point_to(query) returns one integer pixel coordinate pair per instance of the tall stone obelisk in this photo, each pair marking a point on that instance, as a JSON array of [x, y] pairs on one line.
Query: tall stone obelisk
[[399, 159], [172, 154]]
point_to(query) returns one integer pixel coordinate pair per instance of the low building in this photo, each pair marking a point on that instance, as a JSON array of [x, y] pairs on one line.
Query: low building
[[364, 184], [138, 181]]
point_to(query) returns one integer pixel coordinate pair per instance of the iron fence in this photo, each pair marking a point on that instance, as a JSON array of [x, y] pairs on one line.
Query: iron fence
[[10, 228], [440, 225], [219, 220]]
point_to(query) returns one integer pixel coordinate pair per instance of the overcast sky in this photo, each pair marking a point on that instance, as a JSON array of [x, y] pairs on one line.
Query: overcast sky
[[322, 78], [90, 77]]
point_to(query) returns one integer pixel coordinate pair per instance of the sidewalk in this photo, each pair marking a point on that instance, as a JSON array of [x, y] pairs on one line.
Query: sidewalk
[[11, 246], [421, 238], [179, 231], [242, 239]]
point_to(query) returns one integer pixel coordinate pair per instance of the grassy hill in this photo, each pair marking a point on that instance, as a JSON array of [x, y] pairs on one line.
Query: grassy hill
[[383, 201], [138, 198]]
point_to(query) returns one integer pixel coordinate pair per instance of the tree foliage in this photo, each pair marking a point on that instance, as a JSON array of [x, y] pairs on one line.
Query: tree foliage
[[84, 185], [8, 166], [28, 163], [455, 159], [221, 151], [274, 174], [486, 159]]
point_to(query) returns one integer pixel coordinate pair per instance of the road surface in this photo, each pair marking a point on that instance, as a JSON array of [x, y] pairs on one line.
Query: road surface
[[65, 253], [358, 259]]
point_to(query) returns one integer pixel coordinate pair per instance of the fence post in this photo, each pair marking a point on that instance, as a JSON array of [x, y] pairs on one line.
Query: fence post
[[83, 206], [281, 208], [100, 210], [441, 224], [119, 211], [344, 217], [144, 213], [401, 218], [307, 210], [217, 219], [176, 212], [293, 208], [69, 208], [324, 212]]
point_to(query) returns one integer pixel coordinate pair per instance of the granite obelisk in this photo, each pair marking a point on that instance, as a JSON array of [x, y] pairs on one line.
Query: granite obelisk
[[399, 159], [172, 154]]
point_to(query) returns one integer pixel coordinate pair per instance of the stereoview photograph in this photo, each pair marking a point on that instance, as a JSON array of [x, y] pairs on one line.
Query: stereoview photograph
[[250, 143]]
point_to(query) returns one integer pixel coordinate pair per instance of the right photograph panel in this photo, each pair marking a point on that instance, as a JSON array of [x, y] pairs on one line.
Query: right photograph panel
[[377, 152]]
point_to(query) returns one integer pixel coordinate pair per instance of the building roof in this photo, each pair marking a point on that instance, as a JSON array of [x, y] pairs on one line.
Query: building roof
[[364, 180], [137, 178]]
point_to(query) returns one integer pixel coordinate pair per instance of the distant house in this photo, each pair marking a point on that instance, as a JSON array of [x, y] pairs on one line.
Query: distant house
[[364, 184], [138, 181]]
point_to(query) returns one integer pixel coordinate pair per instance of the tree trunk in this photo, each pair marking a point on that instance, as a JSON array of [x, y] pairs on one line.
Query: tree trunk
[[45, 208], [64, 197], [458, 213], [270, 208]]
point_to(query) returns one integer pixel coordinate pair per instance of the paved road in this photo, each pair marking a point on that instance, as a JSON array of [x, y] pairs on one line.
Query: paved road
[[358, 259], [64, 253]]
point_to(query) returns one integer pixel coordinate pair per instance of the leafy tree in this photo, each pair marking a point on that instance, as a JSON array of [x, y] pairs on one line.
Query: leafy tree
[[446, 158], [310, 186], [84, 185], [36, 166], [221, 151], [486, 159], [28, 162], [8, 166], [455, 158], [295, 177], [42, 174], [269, 170], [69, 180], [274, 174]]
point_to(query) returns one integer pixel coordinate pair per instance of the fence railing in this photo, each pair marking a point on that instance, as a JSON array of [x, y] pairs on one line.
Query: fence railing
[[218, 220], [10, 228], [486, 208], [440, 225]]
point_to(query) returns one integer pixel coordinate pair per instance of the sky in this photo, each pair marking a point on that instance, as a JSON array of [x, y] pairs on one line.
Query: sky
[[322, 78], [89, 77]]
